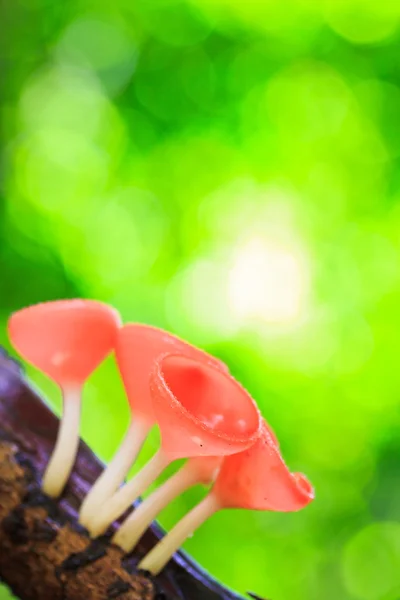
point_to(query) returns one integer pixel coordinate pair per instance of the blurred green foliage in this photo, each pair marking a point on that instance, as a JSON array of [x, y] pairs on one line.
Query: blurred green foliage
[[228, 170]]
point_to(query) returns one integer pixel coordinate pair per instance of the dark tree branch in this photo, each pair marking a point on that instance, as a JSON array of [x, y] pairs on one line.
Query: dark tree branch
[[44, 553]]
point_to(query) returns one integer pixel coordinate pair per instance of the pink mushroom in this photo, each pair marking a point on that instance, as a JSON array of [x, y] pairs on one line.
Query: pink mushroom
[[67, 340], [201, 411], [256, 479], [138, 346]]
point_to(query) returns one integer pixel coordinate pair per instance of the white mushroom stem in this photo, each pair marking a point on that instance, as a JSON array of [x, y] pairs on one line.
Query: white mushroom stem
[[140, 519], [64, 454], [115, 472], [115, 506], [159, 556]]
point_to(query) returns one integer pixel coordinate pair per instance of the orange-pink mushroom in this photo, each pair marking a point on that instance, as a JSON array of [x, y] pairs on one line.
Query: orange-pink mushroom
[[256, 479], [137, 348], [201, 411], [66, 340]]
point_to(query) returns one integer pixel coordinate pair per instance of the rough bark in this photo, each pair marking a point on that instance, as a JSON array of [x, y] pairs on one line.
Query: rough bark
[[44, 553]]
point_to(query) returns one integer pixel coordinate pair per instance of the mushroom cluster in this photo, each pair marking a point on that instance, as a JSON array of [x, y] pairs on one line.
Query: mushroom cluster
[[204, 415]]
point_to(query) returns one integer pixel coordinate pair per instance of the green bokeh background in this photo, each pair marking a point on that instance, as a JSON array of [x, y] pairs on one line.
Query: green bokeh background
[[228, 170]]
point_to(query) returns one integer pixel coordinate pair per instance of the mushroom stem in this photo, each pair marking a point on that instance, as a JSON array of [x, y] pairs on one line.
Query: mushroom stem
[[64, 453], [141, 518], [115, 472], [123, 498], [158, 557]]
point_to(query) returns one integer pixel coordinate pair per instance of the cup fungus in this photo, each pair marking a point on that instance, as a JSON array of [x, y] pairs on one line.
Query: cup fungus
[[66, 340], [202, 470], [256, 479], [137, 348], [201, 411]]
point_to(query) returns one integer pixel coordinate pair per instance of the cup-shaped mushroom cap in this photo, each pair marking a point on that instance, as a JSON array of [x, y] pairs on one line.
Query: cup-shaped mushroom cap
[[66, 339], [259, 479], [201, 410], [138, 347]]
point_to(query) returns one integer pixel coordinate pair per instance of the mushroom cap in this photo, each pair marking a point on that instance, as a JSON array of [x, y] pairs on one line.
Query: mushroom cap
[[138, 346], [259, 479], [66, 339], [200, 409]]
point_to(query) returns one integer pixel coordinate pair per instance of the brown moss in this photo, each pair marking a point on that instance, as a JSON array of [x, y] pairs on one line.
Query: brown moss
[[42, 557]]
